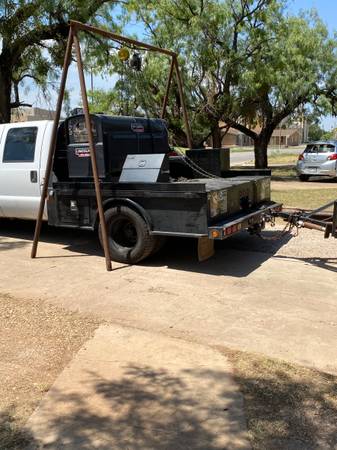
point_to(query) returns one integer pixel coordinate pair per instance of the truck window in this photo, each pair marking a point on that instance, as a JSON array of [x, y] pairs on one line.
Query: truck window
[[20, 145]]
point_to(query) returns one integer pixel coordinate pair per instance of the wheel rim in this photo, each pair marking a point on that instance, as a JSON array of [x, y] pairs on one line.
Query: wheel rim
[[124, 232]]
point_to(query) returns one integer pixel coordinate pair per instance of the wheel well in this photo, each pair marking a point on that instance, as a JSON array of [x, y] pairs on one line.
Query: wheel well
[[110, 203]]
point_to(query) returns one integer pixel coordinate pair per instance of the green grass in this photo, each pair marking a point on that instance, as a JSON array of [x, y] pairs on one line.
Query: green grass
[[305, 199]]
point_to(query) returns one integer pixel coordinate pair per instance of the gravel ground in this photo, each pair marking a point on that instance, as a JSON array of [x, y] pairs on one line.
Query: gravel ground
[[36, 342]]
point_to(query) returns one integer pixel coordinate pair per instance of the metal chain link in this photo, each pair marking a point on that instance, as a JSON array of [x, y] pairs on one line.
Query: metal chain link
[[290, 225]]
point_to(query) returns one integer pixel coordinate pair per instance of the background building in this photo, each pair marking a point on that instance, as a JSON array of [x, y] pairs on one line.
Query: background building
[[26, 114]]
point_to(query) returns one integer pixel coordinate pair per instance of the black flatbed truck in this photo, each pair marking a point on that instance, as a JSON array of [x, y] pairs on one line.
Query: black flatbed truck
[[139, 216]]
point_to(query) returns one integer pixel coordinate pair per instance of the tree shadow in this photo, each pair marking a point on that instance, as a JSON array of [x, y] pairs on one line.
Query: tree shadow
[[288, 407], [146, 409], [12, 436]]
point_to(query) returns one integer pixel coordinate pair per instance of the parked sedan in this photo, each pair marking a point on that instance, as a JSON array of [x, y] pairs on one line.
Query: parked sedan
[[318, 158]]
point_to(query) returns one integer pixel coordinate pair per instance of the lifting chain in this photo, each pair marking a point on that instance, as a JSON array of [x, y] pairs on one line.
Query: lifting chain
[[293, 222]]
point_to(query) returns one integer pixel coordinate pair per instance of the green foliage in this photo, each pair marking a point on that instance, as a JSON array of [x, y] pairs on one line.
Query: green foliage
[[315, 132], [246, 62], [33, 41]]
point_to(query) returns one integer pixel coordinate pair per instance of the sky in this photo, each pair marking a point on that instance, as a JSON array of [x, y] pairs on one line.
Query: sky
[[327, 10]]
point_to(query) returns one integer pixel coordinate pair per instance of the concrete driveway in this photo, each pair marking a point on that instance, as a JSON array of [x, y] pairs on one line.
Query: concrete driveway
[[277, 298]]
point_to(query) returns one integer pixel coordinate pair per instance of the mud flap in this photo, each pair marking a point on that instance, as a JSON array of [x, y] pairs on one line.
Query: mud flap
[[205, 248]]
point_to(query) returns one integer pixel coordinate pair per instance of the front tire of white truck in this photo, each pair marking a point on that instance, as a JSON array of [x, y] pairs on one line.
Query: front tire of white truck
[[129, 235]]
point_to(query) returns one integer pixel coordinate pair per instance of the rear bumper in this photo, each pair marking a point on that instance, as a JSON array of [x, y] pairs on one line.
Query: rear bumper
[[228, 227], [326, 169]]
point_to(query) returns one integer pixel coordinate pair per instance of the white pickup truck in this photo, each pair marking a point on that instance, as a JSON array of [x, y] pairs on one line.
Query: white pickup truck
[[142, 199], [23, 157]]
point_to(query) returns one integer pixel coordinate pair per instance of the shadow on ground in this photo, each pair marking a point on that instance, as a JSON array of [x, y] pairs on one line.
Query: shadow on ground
[[329, 264], [288, 407], [145, 409], [12, 435], [237, 256]]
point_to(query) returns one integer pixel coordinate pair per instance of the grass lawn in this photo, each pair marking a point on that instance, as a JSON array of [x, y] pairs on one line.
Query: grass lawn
[[287, 406], [284, 172], [282, 158], [306, 198]]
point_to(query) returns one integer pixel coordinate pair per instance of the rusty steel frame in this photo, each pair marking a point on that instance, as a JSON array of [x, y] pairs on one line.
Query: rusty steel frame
[[74, 28]]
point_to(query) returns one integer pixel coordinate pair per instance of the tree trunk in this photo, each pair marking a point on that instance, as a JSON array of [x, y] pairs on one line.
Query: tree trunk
[[5, 96], [260, 150], [216, 137]]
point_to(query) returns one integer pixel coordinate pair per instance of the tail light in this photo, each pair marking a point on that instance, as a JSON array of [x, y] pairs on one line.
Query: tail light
[[232, 229], [301, 157], [332, 157], [173, 153]]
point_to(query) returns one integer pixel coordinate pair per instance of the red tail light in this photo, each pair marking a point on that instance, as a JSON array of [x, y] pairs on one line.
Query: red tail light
[[300, 157], [332, 157], [173, 153], [231, 230]]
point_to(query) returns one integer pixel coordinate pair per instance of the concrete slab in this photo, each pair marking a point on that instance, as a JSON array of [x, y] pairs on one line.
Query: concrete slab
[[130, 389], [276, 298]]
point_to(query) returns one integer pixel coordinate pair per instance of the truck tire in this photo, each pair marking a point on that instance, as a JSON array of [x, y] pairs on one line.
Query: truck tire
[[128, 234]]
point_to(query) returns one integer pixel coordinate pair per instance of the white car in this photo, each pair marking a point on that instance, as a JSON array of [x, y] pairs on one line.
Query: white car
[[318, 159]]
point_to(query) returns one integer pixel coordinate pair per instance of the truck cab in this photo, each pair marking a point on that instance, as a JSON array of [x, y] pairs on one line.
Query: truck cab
[[23, 155]]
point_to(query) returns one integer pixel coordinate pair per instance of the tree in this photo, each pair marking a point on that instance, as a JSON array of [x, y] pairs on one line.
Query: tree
[[316, 132], [246, 62], [33, 37]]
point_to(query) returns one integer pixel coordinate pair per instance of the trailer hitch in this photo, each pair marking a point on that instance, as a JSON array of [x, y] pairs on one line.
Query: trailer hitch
[[320, 219]]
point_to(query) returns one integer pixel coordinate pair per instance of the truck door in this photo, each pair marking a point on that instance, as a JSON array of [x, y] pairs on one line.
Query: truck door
[[20, 151]]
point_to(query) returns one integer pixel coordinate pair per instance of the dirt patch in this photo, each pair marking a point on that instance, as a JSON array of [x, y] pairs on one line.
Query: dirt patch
[[37, 341], [287, 406]]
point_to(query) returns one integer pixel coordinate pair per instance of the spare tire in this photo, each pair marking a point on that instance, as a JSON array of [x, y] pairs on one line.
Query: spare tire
[[129, 235]]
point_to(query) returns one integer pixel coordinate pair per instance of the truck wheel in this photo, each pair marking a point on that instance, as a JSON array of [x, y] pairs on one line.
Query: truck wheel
[[128, 235], [304, 177]]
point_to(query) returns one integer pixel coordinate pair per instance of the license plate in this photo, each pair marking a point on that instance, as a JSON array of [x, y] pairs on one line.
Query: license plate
[[312, 169]]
